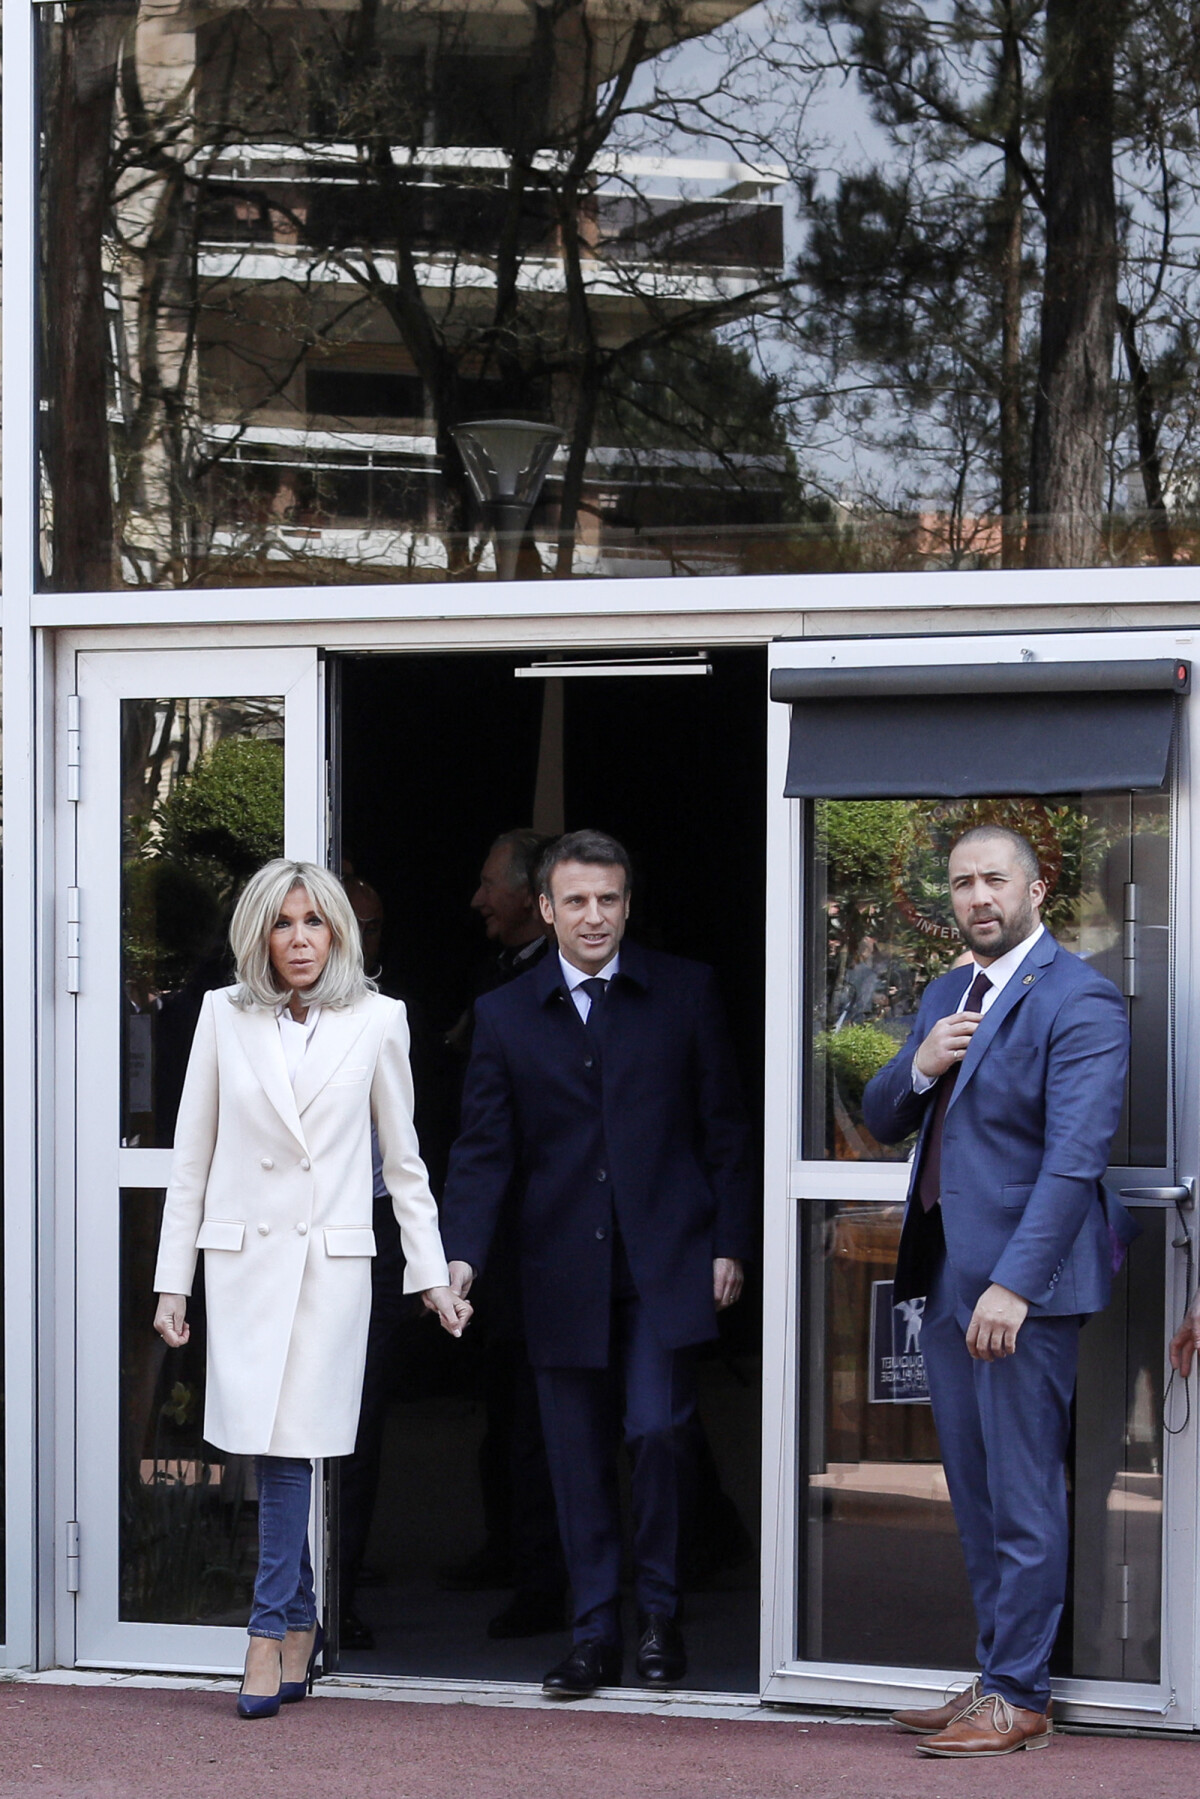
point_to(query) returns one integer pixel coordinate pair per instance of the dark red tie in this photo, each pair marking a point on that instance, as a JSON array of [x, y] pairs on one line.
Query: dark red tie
[[929, 1182]]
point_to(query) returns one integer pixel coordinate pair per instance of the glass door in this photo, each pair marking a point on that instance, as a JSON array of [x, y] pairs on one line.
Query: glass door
[[870, 1599], [186, 771]]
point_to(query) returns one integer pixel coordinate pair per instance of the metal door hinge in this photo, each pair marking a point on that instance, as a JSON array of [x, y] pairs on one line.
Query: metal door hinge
[[72, 940], [72, 1555], [1123, 1601], [1129, 942], [73, 746]]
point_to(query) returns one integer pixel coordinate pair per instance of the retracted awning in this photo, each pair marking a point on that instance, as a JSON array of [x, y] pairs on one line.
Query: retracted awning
[[979, 729]]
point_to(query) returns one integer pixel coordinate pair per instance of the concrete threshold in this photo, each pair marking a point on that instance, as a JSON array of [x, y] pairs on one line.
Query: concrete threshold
[[504, 1695]]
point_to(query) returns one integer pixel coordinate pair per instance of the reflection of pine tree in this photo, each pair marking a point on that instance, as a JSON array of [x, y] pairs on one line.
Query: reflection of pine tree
[[708, 399]]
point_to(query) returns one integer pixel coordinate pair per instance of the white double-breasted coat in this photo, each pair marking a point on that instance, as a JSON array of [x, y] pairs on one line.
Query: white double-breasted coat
[[274, 1184]]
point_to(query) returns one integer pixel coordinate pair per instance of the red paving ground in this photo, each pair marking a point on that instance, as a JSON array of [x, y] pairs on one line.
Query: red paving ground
[[104, 1743]]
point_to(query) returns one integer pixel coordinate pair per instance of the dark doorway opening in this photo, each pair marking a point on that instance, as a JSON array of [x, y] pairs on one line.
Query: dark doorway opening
[[436, 755]]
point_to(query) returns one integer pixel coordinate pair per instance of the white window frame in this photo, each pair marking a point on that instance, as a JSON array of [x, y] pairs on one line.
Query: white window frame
[[791, 1180]]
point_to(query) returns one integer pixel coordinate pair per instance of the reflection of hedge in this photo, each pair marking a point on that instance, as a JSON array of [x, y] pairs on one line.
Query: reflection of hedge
[[853, 1055], [858, 840], [229, 811], [173, 920]]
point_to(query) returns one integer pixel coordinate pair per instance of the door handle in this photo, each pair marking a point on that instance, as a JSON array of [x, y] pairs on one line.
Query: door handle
[[1183, 1195]]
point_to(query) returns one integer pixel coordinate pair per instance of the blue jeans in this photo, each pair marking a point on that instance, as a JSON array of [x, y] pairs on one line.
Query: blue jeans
[[283, 1587]]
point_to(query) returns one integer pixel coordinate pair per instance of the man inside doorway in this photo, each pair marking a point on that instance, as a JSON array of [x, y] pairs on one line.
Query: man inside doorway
[[506, 900], [602, 1088], [1013, 1075]]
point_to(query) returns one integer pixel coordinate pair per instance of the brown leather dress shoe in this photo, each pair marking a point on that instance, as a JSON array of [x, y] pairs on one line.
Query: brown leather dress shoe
[[989, 1726], [938, 1717]]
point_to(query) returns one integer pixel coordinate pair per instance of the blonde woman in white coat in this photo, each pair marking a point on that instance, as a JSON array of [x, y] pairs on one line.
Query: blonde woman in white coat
[[272, 1179]]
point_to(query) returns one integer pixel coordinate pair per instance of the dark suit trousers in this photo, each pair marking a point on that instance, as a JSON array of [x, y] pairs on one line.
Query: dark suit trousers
[[649, 1391], [1004, 1428]]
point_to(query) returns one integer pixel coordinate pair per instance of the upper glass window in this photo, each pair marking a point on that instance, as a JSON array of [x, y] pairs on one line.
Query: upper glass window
[[880, 928], [794, 288]]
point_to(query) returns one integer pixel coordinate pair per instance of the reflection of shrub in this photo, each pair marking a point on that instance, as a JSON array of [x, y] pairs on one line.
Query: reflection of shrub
[[173, 920], [229, 811], [858, 839], [853, 1056]]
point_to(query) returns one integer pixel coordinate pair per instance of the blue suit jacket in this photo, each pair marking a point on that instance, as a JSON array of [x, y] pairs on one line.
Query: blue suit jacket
[[1026, 1137], [637, 1122]]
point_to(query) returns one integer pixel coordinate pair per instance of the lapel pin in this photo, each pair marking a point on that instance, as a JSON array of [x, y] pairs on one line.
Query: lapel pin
[[1029, 980]]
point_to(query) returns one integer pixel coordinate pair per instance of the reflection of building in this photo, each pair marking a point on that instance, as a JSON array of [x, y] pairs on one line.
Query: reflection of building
[[379, 223]]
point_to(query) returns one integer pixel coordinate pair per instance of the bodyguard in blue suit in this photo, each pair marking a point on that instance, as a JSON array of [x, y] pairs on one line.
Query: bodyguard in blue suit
[[1013, 1077], [602, 1093]]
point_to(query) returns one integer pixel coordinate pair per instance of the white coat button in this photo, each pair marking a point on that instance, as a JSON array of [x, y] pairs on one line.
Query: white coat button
[[305, 1164], [266, 1162], [302, 1228], [264, 1230]]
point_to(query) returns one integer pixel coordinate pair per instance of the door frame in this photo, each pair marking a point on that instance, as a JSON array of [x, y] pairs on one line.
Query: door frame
[[790, 1180], [91, 1166]]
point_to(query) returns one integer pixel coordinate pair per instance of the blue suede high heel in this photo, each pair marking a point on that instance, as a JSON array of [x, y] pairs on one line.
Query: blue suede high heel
[[261, 1705], [291, 1692]]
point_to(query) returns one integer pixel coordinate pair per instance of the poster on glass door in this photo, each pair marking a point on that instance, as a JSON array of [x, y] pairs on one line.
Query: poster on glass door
[[897, 1365]]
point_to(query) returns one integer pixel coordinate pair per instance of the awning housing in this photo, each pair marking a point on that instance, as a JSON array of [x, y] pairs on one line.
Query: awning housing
[[980, 729]]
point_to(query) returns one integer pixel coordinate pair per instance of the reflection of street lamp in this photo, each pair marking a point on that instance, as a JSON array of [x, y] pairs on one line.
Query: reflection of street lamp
[[507, 461]]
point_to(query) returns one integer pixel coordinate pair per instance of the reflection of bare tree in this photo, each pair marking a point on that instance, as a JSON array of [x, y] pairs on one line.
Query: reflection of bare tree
[[450, 203], [77, 201]]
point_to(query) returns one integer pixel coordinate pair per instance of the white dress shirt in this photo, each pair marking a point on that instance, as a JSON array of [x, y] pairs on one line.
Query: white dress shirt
[[295, 1038], [999, 973], [575, 977]]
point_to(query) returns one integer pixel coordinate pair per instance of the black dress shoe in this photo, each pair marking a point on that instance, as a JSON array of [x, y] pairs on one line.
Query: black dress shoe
[[589, 1665], [529, 1613], [661, 1656]]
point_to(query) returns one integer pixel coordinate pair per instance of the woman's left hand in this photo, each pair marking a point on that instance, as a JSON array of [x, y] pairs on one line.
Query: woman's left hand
[[454, 1313]]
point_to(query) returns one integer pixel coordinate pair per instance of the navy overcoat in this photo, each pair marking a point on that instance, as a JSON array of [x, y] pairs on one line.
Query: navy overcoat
[[636, 1121], [1026, 1137]]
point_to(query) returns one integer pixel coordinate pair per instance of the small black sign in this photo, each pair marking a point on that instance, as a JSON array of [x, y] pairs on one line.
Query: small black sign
[[897, 1365]]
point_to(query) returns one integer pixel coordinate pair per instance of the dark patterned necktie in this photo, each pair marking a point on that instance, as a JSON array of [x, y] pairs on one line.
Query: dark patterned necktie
[[595, 989], [929, 1182]]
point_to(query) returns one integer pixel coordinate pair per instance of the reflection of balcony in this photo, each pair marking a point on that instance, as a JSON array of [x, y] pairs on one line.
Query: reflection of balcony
[[646, 220], [364, 498]]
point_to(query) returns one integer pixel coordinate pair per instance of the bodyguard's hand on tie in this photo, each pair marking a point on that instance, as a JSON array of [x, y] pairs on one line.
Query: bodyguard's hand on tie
[[452, 1309], [998, 1316], [1185, 1344], [946, 1044], [727, 1282]]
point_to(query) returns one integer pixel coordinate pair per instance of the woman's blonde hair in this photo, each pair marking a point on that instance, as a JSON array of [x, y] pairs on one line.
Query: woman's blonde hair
[[343, 978]]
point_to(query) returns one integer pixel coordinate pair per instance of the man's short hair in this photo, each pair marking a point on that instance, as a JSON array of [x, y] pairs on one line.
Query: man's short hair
[[525, 848], [1026, 855], [594, 847]]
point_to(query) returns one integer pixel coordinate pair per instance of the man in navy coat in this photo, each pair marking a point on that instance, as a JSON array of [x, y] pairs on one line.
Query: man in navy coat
[[602, 1091], [1013, 1076]]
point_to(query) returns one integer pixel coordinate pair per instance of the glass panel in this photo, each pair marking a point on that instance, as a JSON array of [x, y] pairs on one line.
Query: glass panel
[[290, 249], [882, 1574], [202, 808], [188, 1511], [1115, 1621], [880, 928]]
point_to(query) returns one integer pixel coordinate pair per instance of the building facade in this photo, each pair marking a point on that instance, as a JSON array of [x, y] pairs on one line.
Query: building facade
[[263, 263]]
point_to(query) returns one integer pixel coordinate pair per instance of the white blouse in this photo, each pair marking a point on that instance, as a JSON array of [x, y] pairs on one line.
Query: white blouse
[[295, 1038]]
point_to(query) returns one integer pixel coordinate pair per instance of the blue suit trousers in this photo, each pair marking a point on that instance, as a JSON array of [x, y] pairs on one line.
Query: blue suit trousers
[[1004, 1428], [649, 1392]]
